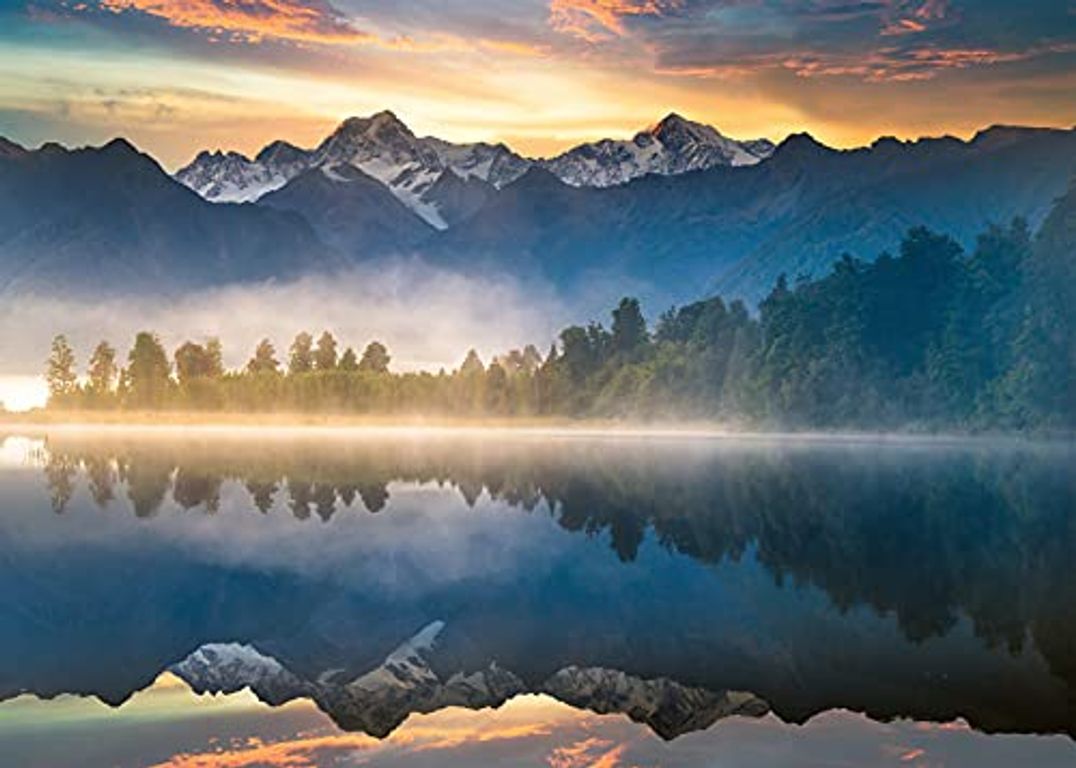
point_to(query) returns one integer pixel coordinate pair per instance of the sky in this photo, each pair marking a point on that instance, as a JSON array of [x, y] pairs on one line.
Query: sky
[[178, 76]]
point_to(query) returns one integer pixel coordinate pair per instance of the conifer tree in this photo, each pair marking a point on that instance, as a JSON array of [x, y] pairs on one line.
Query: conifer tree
[[102, 372], [148, 372], [325, 355], [301, 359], [349, 361], [60, 370]]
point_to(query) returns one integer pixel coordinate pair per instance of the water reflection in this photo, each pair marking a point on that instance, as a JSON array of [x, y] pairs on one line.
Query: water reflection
[[675, 581]]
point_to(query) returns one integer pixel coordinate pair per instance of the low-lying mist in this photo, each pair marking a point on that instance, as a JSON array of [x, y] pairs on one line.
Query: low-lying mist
[[429, 318]]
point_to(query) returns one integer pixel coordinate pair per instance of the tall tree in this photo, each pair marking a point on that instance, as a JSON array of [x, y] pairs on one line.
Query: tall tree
[[301, 358], [214, 358], [375, 358], [148, 372], [472, 364], [629, 327], [60, 370], [496, 390], [325, 355], [193, 361], [102, 371], [349, 361], [264, 359]]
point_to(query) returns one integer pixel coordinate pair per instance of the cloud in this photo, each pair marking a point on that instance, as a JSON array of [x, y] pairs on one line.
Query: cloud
[[889, 64], [592, 752], [303, 752], [595, 20], [904, 18], [298, 21], [891, 41]]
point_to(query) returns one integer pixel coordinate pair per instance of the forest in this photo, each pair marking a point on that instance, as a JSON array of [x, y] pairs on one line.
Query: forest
[[931, 337]]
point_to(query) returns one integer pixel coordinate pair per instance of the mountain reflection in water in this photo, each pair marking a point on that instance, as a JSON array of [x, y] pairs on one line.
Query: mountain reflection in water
[[674, 581]]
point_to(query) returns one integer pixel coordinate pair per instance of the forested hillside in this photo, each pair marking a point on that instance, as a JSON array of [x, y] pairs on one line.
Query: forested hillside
[[929, 337]]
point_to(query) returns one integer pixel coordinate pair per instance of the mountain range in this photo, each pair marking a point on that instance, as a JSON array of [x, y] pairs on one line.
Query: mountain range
[[383, 147], [734, 230], [380, 700], [676, 212]]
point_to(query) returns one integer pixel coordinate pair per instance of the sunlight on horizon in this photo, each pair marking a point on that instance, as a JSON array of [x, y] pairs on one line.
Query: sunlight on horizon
[[22, 393]]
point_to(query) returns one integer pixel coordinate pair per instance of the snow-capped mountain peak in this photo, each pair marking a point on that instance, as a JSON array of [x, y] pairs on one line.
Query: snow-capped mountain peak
[[674, 124], [672, 146], [231, 177], [378, 701], [384, 147]]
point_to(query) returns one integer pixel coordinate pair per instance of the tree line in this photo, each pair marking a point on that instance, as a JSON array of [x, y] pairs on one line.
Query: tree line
[[313, 377], [931, 336]]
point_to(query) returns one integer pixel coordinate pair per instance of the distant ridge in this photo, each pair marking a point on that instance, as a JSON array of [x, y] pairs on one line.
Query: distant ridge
[[109, 219]]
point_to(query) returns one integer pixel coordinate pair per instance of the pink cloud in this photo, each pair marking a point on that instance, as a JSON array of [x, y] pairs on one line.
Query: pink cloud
[[595, 20], [250, 20]]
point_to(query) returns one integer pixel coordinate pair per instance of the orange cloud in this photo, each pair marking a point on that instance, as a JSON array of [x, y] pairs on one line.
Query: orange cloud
[[915, 19], [443, 731], [888, 64], [297, 753], [297, 21], [250, 20], [588, 753], [595, 20], [447, 43]]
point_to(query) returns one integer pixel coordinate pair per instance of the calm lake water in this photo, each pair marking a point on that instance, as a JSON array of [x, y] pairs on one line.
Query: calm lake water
[[242, 598]]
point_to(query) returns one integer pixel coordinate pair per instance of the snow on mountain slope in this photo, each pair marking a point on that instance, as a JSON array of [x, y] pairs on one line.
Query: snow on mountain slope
[[231, 667], [673, 146], [383, 147], [669, 708], [380, 146], [378, 701], [231, 177]]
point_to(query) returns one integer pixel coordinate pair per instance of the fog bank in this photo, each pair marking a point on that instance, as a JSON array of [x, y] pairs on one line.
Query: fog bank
[[427, 317]]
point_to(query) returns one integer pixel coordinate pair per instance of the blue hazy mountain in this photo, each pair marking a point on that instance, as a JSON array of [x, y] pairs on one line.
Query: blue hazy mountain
[[110, 219], [351, 211], [734, 230]]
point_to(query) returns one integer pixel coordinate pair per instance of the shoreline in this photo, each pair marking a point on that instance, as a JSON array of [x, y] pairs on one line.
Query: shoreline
[[247, 425]]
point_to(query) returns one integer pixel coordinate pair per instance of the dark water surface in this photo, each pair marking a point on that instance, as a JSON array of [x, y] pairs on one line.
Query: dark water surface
[[646, 600]]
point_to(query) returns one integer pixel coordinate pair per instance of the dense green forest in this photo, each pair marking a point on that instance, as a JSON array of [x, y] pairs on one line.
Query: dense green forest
[[931, 337]]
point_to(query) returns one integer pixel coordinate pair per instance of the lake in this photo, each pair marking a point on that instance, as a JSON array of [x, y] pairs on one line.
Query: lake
[[238, 597]]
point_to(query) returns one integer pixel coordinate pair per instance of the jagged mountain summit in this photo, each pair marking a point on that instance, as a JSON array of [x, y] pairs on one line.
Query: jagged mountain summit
[[444, 182], [380, 700], [415, 169], [382, 146], [673, 146], [231, 177]]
